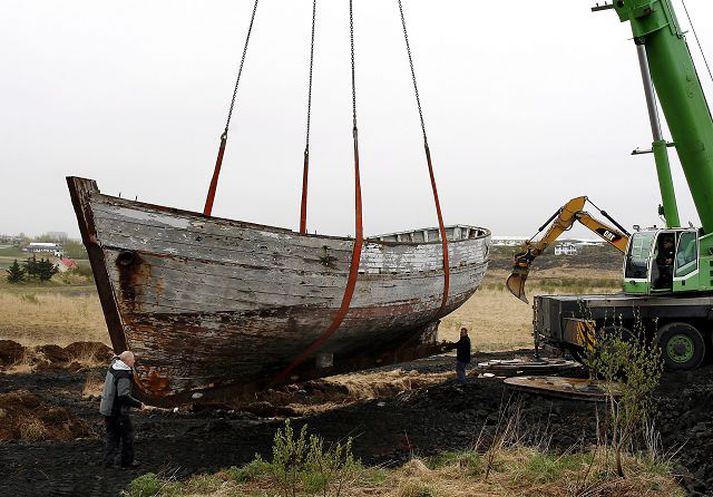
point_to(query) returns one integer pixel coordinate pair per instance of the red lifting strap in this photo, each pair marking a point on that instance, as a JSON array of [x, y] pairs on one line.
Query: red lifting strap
[[359, 232], [303, 206], [351, 281], [208, 209], [442, 229]]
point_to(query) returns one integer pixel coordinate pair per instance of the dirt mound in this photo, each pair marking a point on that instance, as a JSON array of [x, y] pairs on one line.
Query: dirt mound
[[76, 355], [10, 352], [92, 351], [24, 416], [53, 353]]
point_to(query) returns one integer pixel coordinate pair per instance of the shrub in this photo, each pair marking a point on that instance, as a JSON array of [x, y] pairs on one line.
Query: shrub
[[302, 463], [253, 470], [148, 485], [631, 367]]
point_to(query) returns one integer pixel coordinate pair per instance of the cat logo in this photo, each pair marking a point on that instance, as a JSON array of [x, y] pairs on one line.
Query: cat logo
[[608, 235]]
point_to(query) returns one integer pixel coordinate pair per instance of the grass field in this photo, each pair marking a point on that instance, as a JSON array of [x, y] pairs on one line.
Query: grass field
[[63, 312]]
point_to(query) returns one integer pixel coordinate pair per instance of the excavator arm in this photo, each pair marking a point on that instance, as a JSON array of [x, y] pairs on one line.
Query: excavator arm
[[561, 221]]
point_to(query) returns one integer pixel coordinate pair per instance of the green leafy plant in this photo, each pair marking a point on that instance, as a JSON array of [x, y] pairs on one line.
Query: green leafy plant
[[631, 368], [148, 485], [304, 463]]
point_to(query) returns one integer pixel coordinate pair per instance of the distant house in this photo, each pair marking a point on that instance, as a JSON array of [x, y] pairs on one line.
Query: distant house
[[45, 247], [65, 264], [566, 249]]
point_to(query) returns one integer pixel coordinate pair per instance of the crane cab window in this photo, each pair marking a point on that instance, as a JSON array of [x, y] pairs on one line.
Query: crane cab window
[[664, 258], [637, 259], [686, 254]]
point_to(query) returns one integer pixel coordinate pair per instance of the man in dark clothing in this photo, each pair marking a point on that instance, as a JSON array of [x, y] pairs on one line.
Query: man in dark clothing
[[462, 347], [664, 261], [116, 402]]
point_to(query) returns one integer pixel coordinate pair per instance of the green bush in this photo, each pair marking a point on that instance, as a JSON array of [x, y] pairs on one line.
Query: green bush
[[303, 464], [631, 367], [253, 470], [148, 485]]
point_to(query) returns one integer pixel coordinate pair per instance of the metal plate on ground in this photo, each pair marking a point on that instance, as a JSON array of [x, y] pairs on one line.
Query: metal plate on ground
[[569, 388], [530, 366]]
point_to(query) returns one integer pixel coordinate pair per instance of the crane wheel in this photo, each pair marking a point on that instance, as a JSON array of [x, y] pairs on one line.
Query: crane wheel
[[682, 346]]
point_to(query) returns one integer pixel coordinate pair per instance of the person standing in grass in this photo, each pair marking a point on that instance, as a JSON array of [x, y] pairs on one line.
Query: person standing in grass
[[462, 347], [116, 403]]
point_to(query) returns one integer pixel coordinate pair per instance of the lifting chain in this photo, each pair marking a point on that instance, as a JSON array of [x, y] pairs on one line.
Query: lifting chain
[[348, 294], [305, 170], [431, 174], [210, 198], [240, 68], [413, 72], [351, 38]]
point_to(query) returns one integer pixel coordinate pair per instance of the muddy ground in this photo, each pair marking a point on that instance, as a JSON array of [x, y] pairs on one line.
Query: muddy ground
[[387, 431]]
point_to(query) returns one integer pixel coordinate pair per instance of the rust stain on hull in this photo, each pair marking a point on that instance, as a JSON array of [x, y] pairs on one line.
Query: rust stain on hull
[[215, 308]]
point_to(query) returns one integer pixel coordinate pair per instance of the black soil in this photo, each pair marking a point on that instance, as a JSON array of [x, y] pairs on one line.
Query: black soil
[[385, 431]]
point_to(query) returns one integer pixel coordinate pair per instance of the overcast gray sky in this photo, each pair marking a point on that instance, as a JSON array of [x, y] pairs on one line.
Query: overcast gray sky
[[527, 104]]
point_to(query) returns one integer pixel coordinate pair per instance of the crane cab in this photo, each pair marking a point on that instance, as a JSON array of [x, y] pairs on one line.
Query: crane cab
[[662, 261]]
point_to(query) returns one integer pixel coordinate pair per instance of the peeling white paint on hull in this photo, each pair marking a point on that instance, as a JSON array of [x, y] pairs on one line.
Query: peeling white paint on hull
[[220, 307]]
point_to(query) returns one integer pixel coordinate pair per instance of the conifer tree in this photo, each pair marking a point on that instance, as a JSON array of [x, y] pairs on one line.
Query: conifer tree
[[15, 273]]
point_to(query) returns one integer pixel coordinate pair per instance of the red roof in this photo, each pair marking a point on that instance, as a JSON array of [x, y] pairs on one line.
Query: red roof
[[68, 263]]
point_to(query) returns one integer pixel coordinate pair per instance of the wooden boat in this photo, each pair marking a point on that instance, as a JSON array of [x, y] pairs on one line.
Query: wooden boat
[[216, 308]]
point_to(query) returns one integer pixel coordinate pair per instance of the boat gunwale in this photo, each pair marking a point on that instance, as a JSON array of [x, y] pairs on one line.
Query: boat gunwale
[[482, 232]]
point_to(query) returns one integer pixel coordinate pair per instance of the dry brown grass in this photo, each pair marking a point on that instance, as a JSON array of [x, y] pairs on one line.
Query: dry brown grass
[[93, 386], [342, 390], [519, 472], [48, 317], [498, 321]]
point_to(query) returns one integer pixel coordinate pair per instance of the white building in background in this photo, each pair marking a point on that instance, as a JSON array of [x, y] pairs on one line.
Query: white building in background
[[55, 249], [566, 249]]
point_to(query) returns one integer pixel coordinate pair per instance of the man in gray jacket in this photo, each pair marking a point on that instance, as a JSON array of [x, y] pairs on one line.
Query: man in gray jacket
[[116, 402]]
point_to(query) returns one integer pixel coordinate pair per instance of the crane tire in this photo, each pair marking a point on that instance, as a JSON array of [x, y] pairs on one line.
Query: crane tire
[[682, 346]]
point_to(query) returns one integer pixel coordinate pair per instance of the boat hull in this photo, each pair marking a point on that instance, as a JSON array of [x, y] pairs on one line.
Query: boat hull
[[216, 308]]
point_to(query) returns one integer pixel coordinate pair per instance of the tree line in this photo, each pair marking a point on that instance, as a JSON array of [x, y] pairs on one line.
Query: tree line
[[31, 269]]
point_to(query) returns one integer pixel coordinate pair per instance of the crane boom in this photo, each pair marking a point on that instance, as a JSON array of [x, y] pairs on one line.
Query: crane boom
[[655, 27]]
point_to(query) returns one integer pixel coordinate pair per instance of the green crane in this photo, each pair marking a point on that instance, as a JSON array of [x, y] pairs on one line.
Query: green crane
[[672, 259], [668, 272]]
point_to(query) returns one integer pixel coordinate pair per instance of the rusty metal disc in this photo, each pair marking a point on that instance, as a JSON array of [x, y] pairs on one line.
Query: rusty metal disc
[[569, 388], [515, 367]]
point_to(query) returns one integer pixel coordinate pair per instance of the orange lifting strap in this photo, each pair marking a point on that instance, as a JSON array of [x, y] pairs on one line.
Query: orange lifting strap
[[305, 169], [359, 232]]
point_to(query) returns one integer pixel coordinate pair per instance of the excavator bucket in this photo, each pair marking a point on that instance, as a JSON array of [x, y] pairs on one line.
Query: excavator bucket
[[516, 282], [520, 270]]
